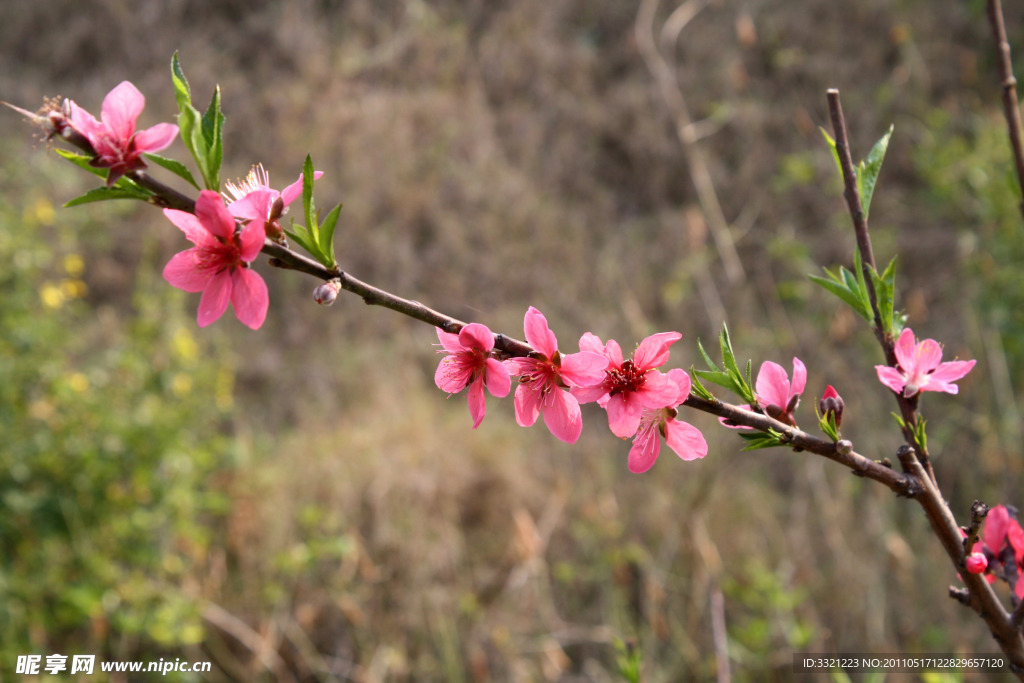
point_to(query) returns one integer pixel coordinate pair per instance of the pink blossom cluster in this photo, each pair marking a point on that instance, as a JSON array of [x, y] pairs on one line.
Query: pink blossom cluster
[[1000, 552], [641, 401]]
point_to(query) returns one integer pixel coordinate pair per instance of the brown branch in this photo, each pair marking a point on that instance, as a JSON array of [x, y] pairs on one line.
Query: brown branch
[[1011, 108]]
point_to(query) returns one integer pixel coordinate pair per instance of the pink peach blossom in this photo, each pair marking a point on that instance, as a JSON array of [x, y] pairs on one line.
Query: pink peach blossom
[[682, 437], [117, 144], [254, 198], [919, 367], [469, 363], [218, 266], [774, 392], [546, 375], [629, 386]]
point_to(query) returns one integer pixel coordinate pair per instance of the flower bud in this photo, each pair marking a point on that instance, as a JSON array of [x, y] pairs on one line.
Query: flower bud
[[831, 402], [976, 563], [326, 293]]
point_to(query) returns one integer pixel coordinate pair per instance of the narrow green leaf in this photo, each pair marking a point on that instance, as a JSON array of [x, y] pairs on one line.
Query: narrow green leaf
[[327, 236], [182, 92], [308, 207], [899, 421], [82, 161], [885, 287], [835, 152], [212, 126], [175, 167], [707, 359], [771, 439], [854, 299], [100, 194], [722, 379], [697, 388], [871, 167], [728, 357], [301, 236]]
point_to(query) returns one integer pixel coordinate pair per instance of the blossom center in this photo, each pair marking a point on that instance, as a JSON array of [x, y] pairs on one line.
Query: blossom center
[[628, 377]]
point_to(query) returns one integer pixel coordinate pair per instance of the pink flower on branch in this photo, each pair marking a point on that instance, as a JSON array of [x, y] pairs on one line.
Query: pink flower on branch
[[919, 368], [657, 423], [254, 198], [218, 266], [469, 363], [629, 386], [774, 392], [545, 377], [117, 144]]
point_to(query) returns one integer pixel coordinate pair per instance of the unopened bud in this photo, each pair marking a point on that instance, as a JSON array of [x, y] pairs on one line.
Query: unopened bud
[[976, 563], [831, 402], [326, 293]]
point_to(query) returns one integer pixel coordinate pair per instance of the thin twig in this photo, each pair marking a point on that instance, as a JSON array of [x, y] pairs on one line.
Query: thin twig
[[1011, 108], [676, 103]]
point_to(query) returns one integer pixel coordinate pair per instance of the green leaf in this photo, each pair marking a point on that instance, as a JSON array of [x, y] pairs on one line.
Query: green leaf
[[827, 424], [885, 288], [213, 136], [698, 388], [722, 379], [707, 359], [182, 92], [835, 152], [301, 236], [757, 440], [82, 161], [175, 167], [327, 236], [100, 194], [870, 168], [308, 207], [840, 290]]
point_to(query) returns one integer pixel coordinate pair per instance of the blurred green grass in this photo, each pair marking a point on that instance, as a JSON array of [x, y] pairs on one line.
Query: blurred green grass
[[322, 506]]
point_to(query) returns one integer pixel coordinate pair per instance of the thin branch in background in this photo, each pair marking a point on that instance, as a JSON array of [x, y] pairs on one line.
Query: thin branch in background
[[1011, 108], [676, 103], [721, 636]]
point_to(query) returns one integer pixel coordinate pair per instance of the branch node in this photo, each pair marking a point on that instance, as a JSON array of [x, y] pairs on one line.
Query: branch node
[[961, 595]]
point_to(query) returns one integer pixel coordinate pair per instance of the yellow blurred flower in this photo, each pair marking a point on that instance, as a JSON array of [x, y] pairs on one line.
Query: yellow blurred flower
[[74, 264], [51, 295], [78, 382]]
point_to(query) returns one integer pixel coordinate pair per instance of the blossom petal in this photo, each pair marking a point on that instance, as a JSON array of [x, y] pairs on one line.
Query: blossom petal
[[211, 212], [653, 351], [947, 373], [927, 357], [686, 440], [294, 191], [562, 416], [585, 368], [215, 299], [891, 377], [527, 403], [905, 349], [588, 394], [255, 205], [181, 272], [645, 449], [249, 297], [498, 381], [450, 342], [121, 108], [997, 524], [683, 381], [251, 240], [658, 391], [188, 224], [591, 342], [155, 138], [799, 378], [772, 386], [477, 401], [476, 336], [538, 334], [624, 412]]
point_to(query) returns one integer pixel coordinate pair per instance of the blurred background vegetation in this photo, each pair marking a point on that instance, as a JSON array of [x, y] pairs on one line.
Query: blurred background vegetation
[[300, 503]]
